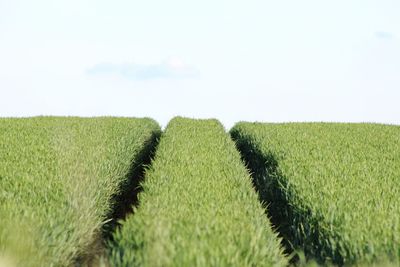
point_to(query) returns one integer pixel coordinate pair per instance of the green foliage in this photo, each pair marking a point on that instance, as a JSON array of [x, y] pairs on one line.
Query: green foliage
[[332, 189], [58, 179], [198, 207]]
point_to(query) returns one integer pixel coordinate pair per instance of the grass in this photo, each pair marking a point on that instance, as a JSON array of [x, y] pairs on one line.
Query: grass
[[333, 189], [59, 181], [198, 207]]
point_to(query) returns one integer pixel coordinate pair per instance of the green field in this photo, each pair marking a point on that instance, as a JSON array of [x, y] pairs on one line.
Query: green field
[[69, 193], [59, 182], [197, 207], [333, 190]]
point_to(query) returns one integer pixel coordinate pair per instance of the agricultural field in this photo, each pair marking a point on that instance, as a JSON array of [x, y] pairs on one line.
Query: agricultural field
[[60, 180], [198, 206], [332, 190], [69, 193]]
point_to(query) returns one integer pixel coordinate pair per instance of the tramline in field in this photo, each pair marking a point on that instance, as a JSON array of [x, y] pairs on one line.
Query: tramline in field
[[197, 207]]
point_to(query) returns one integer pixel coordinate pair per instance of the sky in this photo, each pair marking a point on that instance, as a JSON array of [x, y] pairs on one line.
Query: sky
[[255, 60]]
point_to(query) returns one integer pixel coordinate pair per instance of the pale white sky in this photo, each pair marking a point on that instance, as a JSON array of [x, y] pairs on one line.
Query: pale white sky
[[272, 61]]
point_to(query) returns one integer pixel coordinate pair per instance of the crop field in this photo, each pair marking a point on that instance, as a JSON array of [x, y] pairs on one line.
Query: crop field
[[59, 182], [119, 192], [198, 207], [333, 190]]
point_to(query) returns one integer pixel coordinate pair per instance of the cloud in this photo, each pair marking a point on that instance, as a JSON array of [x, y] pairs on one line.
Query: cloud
[[384, 35], [173, 68]]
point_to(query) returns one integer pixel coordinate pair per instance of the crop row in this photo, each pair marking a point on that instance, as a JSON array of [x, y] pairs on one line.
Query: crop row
[[198, 207], [59, 180], [332, 189]]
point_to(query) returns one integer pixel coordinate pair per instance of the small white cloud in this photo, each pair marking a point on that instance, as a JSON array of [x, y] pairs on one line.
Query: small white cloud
[[384, 35], [173, 68]]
